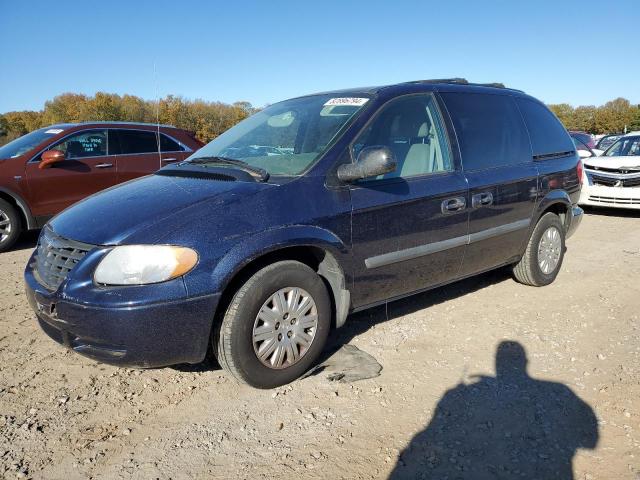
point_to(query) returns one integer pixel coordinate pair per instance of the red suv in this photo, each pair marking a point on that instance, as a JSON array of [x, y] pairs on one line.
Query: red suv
[[49, 169]]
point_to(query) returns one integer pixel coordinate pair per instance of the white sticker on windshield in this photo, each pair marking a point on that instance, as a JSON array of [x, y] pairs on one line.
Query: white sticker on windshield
[[349, 101], [55, 131]]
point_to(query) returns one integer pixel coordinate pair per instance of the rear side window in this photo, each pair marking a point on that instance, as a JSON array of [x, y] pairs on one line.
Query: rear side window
[[490, 130], [131, 142], [548, 137], [169, 145]]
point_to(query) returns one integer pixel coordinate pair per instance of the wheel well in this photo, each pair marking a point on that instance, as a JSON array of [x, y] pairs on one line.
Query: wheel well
[[12, 201], [559, 209], [319, 259]]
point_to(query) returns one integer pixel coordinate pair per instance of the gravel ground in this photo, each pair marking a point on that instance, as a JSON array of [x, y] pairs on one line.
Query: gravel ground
[[437, 410]]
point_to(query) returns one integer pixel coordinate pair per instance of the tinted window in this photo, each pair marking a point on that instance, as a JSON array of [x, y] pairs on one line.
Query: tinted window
[[169, 145], [579, 144], [548, 136], [411, 128], [92, 143], [132, 141], [490, 130]]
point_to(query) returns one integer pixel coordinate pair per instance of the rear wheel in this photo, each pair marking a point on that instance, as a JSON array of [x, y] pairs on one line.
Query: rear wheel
[[10, 225], [543, 257], [275, 326]]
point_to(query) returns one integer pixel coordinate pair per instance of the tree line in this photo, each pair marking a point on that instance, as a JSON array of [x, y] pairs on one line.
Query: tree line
[[209, 119], [616, 116], [206, 119]]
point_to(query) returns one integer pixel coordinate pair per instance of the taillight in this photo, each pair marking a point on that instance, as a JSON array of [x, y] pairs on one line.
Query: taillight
[[580, 171]]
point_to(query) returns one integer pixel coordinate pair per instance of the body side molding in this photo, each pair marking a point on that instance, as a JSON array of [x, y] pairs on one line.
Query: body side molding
[[429, 248]]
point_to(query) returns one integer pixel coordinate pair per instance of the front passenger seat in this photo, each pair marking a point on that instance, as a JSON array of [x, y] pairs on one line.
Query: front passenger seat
[[417, 160]]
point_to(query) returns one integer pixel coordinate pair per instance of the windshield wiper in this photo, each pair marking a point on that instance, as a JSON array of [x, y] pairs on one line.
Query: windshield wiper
[[258, 172]]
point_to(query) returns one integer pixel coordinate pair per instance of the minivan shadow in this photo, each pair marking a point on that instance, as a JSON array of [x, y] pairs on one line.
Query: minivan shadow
[[358, 323]]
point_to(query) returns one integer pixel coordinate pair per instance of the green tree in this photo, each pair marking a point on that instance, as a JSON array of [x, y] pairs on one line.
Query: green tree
[[102, 106], [565, 114], [635, 121], [614, 116], [584, 119], [4, 127], [67, 107]]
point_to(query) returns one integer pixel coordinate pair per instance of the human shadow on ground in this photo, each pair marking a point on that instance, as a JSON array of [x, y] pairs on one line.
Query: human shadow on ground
[[510, 426]]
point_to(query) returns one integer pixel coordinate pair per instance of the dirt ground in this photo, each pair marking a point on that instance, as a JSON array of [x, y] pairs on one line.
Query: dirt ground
[[438, 409]]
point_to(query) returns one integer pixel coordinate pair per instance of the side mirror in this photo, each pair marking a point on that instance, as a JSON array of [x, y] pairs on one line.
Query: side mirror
[[50, 157], [584, 154], [371, 162]]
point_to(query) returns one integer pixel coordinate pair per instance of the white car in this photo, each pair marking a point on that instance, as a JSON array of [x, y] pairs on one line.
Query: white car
[[613, 179]]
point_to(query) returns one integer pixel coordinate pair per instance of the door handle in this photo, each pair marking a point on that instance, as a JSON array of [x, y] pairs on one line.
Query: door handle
[[455, 204], [483, 199], [169, 159], [104, 165]]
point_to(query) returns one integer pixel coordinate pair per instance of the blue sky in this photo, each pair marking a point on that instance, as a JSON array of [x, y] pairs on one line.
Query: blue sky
[[580, 52]]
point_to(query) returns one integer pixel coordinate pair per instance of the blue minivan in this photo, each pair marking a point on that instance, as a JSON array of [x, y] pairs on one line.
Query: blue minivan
[[266, 238]]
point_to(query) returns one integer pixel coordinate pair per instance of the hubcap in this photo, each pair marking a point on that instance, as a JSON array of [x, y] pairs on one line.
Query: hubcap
[[549, 250], [5, 226], [285, 328]]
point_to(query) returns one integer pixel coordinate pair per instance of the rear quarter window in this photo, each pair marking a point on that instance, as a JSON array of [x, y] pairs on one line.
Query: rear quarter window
[[490, 130], [548, 136], [131, 142]]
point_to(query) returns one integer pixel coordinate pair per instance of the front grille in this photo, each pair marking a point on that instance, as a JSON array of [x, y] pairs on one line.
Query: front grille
[[623, 170], [615, 200], [604, 179], [56, 257]]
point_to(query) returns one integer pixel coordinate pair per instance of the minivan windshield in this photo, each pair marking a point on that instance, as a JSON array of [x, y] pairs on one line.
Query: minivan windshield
[[624, 147], [25, 143], [284, 138]]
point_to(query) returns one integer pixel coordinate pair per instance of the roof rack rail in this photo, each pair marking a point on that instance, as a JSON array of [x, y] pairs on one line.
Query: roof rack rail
[[492, 84], [459, 81], [464, 81]]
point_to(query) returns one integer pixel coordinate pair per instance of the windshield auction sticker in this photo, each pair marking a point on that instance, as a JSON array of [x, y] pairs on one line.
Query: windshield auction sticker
[[54, 131], [348, 101]]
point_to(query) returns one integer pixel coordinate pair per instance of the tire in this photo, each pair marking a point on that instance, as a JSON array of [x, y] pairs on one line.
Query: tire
[[10, 225], [234, 344], [529, 270]]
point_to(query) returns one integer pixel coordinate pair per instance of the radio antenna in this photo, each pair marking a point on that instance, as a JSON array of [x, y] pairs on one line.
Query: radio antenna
[[155, 78]]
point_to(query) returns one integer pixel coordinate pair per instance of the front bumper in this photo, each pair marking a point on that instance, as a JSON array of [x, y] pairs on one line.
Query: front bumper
[[145, 335], [614, 197]]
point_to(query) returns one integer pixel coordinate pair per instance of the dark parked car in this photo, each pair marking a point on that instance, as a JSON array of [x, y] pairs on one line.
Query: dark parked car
[[377, 194], [584, 137], [47, 170]]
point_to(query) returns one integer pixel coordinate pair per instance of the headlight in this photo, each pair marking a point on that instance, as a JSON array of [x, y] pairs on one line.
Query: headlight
[[143, 264]]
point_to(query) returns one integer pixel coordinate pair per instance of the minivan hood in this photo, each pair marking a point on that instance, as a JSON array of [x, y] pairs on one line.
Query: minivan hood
[[631, 161], [116, 215]]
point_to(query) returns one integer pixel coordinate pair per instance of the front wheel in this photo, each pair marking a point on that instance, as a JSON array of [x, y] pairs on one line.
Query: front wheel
[[543, 257], [10, 225], [275, 326]]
